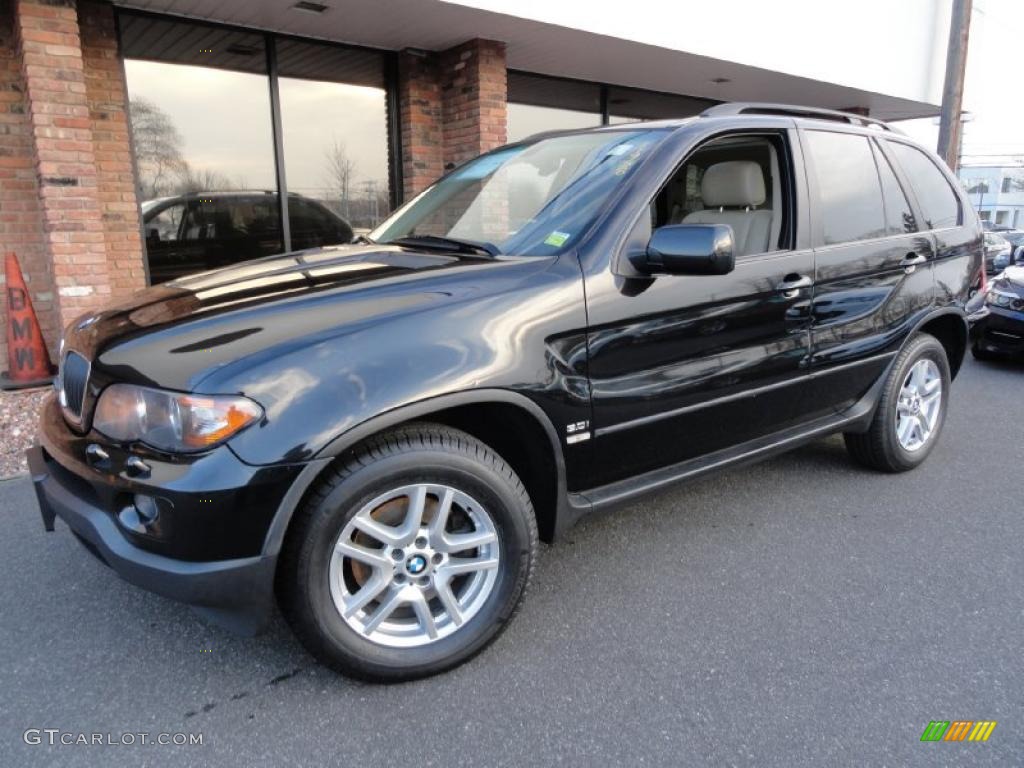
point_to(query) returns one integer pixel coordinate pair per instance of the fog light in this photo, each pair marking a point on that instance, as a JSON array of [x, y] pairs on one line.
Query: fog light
[[146, 506], [143, 515]]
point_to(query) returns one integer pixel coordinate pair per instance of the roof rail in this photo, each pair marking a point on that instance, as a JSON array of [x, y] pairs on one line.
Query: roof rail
[[792, 110]]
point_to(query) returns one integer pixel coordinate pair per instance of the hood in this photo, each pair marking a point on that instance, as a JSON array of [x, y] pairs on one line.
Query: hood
[[173, 335], [1010, 280]]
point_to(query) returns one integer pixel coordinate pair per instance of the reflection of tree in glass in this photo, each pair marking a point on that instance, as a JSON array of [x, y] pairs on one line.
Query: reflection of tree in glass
[[163, 170], [157, 148], [361, 202], [340, 171]]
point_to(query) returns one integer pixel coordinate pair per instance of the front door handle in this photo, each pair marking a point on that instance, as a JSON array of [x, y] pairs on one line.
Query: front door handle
[[791, 286], [912, 260]]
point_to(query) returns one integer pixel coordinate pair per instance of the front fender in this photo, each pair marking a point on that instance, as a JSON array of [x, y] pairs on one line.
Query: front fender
[[414, 411], [529, 338]]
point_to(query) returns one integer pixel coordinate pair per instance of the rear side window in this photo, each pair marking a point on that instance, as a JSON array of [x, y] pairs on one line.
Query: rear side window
[[850, 196], [939, 204], [899, 219]]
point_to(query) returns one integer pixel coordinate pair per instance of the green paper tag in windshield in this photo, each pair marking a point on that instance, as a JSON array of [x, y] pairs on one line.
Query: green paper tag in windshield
[[557, 239]]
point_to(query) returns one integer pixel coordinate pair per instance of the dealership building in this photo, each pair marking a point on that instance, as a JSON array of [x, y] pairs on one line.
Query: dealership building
[[132, 133]]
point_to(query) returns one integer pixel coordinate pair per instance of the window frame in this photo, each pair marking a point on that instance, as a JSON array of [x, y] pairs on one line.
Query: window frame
[[814, 188], [788, 160], [880, 140], [954, 186]]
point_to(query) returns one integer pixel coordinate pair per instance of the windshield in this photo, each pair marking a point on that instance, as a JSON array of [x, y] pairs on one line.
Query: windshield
[[535, 198]]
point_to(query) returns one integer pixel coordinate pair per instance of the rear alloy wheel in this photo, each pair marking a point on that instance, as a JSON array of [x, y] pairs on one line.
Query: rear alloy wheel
[[409, 557], [910, 412]]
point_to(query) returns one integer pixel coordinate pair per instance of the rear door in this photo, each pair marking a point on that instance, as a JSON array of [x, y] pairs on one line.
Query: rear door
[[946, 213], [873, 263]]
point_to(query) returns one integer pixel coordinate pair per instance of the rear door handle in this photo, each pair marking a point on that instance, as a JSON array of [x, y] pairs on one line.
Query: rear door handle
[[912, 260], [791, 286]]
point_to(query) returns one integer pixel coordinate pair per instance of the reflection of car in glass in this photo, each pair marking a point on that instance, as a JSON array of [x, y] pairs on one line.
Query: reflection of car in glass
[[202, 231], [997, 317], [379, 433], [996, 248]]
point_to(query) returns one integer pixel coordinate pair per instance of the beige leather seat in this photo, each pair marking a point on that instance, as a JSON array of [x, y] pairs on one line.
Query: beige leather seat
[[738, 184]]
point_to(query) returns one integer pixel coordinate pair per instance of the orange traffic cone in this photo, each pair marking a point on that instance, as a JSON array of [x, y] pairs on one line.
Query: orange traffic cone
[[26, 353]]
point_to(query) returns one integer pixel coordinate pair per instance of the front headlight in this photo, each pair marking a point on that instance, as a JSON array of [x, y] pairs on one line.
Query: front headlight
[[171, 421], [998, 298]]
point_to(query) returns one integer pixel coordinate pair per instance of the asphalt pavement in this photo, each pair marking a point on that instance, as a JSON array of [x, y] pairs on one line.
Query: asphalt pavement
[[798, 612]]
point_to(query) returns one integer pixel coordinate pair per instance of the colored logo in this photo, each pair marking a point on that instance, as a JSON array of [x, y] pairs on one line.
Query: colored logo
[[958, 730], [416, 564]]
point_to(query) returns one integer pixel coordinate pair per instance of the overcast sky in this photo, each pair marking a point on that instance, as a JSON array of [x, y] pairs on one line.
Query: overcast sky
[[996, 131]]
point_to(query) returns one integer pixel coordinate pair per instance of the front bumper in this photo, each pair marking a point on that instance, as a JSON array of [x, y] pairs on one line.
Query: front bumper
[[236, 594], [207, 545], [995, 329]]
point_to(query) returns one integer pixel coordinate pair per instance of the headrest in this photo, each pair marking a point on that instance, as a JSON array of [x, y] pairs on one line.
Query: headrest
[[735, 182]]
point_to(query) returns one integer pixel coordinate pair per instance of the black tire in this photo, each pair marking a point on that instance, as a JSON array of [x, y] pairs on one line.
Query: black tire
[[879, 447], [415, 453]]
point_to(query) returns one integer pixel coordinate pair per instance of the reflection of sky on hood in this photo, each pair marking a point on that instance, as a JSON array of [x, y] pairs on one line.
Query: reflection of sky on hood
[[224, 121]]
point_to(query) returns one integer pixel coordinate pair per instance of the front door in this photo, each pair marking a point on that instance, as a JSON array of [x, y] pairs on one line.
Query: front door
[[683, 366]]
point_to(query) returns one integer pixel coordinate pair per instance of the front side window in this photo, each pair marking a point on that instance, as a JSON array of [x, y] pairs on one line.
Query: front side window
[[849, 192], [939, 204], [738, 181], [163, 227], [535, 199]]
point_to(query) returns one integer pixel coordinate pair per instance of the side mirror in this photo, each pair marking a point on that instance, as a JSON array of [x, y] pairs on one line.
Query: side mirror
[[688, 249]]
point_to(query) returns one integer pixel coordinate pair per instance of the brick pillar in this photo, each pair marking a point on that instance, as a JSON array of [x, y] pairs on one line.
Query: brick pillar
[[58, 114], [107, 97], [419, 111], [21, 224], [474, 97], [452, 107]]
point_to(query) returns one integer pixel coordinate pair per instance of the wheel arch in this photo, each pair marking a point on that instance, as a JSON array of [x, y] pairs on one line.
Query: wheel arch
[[949, 326], [511, 424]]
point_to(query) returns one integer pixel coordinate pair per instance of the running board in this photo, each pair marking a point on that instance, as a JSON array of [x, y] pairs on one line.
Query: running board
[[615, 494]]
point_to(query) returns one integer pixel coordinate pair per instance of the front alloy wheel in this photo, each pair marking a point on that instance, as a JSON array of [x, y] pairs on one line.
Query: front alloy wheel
[[414, 564], [409, 557]]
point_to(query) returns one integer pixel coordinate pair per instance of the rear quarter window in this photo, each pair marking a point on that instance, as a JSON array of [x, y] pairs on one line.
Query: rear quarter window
[[940, 205]]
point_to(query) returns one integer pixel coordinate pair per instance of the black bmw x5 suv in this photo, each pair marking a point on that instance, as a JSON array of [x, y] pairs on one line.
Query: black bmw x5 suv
[[377, 434]]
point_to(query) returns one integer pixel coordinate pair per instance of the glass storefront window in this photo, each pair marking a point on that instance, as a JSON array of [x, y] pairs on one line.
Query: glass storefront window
[[539, 104], [202, 128], [334, 132], [628, 105]]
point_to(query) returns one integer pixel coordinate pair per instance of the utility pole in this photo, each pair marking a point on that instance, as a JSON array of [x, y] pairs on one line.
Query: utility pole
[[953, 88]]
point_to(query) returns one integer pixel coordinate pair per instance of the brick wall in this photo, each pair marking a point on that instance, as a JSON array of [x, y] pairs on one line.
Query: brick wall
[[67, 187], [419, 111], [20, 210], [452, 107], [107, 97], [473, 99], [52, 70]]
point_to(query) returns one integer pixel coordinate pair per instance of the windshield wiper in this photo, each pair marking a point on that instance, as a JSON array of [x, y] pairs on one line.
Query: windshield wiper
[[448, 244]]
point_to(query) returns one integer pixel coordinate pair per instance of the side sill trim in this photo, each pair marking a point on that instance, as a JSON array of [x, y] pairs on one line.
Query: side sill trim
[[800, 379], [623, 490]]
